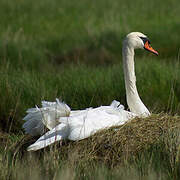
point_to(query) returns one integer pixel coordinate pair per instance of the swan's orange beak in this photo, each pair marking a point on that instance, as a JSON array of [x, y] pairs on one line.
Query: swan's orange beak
[[148, 47]]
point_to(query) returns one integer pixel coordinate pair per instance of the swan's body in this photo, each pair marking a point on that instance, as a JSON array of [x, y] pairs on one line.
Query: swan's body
[[76, 125]]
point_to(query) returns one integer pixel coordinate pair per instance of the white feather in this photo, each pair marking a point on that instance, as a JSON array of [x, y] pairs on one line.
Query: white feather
[[47, 116], [56, 134]]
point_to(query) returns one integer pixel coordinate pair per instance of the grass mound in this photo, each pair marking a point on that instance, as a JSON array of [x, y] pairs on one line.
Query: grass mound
[[113, 145], [141, 146]]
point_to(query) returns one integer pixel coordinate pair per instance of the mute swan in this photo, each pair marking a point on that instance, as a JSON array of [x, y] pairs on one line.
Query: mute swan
[[76, 125]]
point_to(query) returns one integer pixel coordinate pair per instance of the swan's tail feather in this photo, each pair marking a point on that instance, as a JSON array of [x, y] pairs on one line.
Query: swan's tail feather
[[58, 133], [33, 125], [47, 116]]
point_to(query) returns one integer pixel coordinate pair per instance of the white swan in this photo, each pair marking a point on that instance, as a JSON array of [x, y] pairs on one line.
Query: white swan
[[76, 125]]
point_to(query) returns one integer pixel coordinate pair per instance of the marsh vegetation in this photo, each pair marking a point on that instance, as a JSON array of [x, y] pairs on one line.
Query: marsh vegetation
[[72, 50]]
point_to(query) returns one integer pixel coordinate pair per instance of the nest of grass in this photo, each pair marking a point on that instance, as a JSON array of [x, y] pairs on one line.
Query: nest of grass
[[114, 145]]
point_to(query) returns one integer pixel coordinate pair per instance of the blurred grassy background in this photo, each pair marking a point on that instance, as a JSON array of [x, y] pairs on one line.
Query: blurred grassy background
[[72, 50]]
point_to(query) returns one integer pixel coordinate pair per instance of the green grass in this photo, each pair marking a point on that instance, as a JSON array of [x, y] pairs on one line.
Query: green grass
[[72, 50], [83, 86], [31, 32]]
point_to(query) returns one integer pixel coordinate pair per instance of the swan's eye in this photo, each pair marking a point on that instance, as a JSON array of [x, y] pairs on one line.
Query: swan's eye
[[145, 39]]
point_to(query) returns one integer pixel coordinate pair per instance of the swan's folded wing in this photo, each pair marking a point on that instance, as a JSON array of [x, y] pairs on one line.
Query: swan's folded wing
[[85, 124], [58, 133]]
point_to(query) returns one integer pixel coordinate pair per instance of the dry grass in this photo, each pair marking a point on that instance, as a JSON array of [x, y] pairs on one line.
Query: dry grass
[[143, 147], [114, 145], [111, 145]]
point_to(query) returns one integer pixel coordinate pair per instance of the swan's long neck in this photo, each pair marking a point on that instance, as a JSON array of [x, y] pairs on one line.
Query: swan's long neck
[[133, 100]]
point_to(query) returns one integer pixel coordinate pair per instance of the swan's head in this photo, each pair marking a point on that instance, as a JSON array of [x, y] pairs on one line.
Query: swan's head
[[139, 40]]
